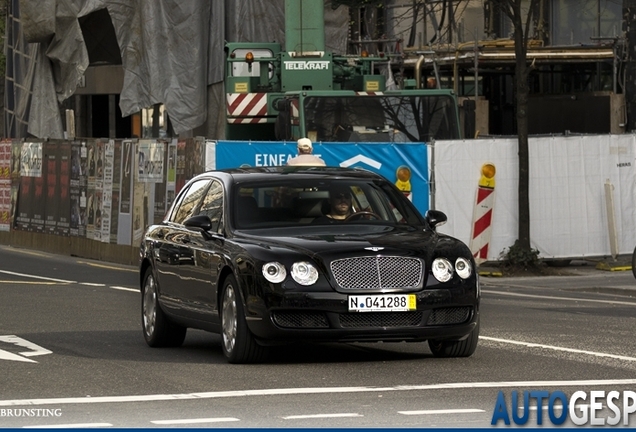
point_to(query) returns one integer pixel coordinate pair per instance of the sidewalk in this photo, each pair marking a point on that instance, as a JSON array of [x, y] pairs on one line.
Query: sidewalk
[[610, 277], [623, 263]]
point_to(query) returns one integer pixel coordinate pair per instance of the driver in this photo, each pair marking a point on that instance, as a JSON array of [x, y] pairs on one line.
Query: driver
[[339, 205]]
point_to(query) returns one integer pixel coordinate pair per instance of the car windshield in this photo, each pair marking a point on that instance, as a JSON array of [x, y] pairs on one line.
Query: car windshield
[[289, 202]]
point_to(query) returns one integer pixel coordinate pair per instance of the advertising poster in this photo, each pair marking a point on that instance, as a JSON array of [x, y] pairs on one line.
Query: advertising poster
[[140, 212], [5, 185], [64, 200], [91, 201], [150, 161], [77, 190], [172, 173], [160, 198], [181, 165], [124, 219], [16, 149], [107, 191], [404, 164], [126, 176], [30, 202], [51, 204], [116, 182]]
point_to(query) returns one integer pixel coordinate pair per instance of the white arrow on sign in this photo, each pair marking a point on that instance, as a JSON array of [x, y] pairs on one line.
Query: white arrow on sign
[[363, 159], [34, 350]]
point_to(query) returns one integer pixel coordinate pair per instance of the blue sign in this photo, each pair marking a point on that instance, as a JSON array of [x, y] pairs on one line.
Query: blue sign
[[404, 164]]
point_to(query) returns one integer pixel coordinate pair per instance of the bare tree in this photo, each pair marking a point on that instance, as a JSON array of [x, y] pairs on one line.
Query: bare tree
[[521, 19]]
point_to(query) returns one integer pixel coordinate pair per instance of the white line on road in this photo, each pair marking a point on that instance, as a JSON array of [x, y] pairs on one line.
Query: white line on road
[[312, 390], [320, 416], [194, 421], [53, 281], [444, 411], [37, 277], [558, 298], [70, 426], [556, 348], [124, 288]]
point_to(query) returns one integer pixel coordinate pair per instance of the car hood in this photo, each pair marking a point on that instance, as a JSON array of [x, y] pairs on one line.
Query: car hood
[[334, 243]]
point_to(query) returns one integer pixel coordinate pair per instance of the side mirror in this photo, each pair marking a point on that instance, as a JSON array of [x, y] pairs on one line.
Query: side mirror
[[436, 218], [201, 223]]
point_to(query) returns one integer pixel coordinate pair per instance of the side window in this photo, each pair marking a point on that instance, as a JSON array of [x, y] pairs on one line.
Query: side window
[[190, 202], [213, 205]]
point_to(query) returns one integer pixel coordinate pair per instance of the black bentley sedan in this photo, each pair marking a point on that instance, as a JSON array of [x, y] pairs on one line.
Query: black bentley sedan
[[265, 256]]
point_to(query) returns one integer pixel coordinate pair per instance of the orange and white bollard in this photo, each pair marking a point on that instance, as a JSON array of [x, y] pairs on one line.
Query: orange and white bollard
[[482, 214]]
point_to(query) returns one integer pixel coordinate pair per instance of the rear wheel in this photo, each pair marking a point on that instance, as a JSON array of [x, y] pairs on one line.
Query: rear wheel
[[462, 348], [634, 263], [159, 331], [239, 345]]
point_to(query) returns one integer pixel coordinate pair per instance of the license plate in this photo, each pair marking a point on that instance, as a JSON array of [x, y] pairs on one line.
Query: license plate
[[382, 303]]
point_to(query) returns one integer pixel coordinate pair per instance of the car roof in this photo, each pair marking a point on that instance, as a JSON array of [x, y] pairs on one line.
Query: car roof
[[298, 172]]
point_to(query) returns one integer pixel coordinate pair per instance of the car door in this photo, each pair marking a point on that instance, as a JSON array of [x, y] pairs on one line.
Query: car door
[[175, 250], [209, 253]]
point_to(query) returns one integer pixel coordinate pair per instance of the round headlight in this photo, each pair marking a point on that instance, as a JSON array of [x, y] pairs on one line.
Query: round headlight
[[442, 269], [274, 272], [463, 268], [304, 273]]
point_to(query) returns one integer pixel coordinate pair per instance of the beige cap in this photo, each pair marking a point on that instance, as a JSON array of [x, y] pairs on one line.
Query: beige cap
[[305, 143]]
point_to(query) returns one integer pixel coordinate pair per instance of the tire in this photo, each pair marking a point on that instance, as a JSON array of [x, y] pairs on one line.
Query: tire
[[158, 330], [462, 348], [634, 263], [239, 345]]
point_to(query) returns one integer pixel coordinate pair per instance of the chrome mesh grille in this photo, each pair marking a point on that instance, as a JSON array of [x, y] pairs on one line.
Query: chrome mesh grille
[[380, 272], [454, 315], [381, 319], [300, 319]]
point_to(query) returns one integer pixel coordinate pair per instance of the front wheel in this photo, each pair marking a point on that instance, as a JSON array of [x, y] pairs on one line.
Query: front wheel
[[634, 263], [462, 348], [159, 331], [239, 346]]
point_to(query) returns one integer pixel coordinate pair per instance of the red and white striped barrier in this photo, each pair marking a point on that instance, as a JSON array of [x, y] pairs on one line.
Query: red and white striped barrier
[[482, 214], [246, 107]]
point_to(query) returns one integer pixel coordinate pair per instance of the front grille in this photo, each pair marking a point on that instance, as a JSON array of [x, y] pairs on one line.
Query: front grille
[[454, 315], [380, 272], [381, 319], [300, 319]]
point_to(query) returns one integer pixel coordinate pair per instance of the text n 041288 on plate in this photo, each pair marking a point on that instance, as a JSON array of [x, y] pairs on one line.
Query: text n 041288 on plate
[[382, 303]]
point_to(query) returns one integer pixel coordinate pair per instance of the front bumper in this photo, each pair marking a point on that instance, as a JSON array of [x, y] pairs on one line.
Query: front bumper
[[442, 313]]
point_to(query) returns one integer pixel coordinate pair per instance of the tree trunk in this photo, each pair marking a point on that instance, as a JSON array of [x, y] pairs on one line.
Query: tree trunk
[[521, 83]]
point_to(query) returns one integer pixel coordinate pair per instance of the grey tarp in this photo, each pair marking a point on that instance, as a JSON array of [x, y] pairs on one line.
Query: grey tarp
[[171, 51]]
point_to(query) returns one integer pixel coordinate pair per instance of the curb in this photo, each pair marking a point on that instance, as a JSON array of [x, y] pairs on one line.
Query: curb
[[490, 273], [602, 265]]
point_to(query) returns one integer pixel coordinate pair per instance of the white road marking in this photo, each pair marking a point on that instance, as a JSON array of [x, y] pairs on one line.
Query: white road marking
[[312, 390], [558, 298], [28, 282], [444, 411], [35, 350], [124, 288], [556, 348], [320, 416], [92, 284], [194, 421], [37, 277], [110, 267], [6, 355], [70, 426]]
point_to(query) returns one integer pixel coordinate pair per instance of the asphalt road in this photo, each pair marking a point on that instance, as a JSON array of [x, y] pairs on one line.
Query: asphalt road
[[72, 354]]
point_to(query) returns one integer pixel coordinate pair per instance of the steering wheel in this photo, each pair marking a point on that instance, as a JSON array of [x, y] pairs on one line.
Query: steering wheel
[[361, 214]]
